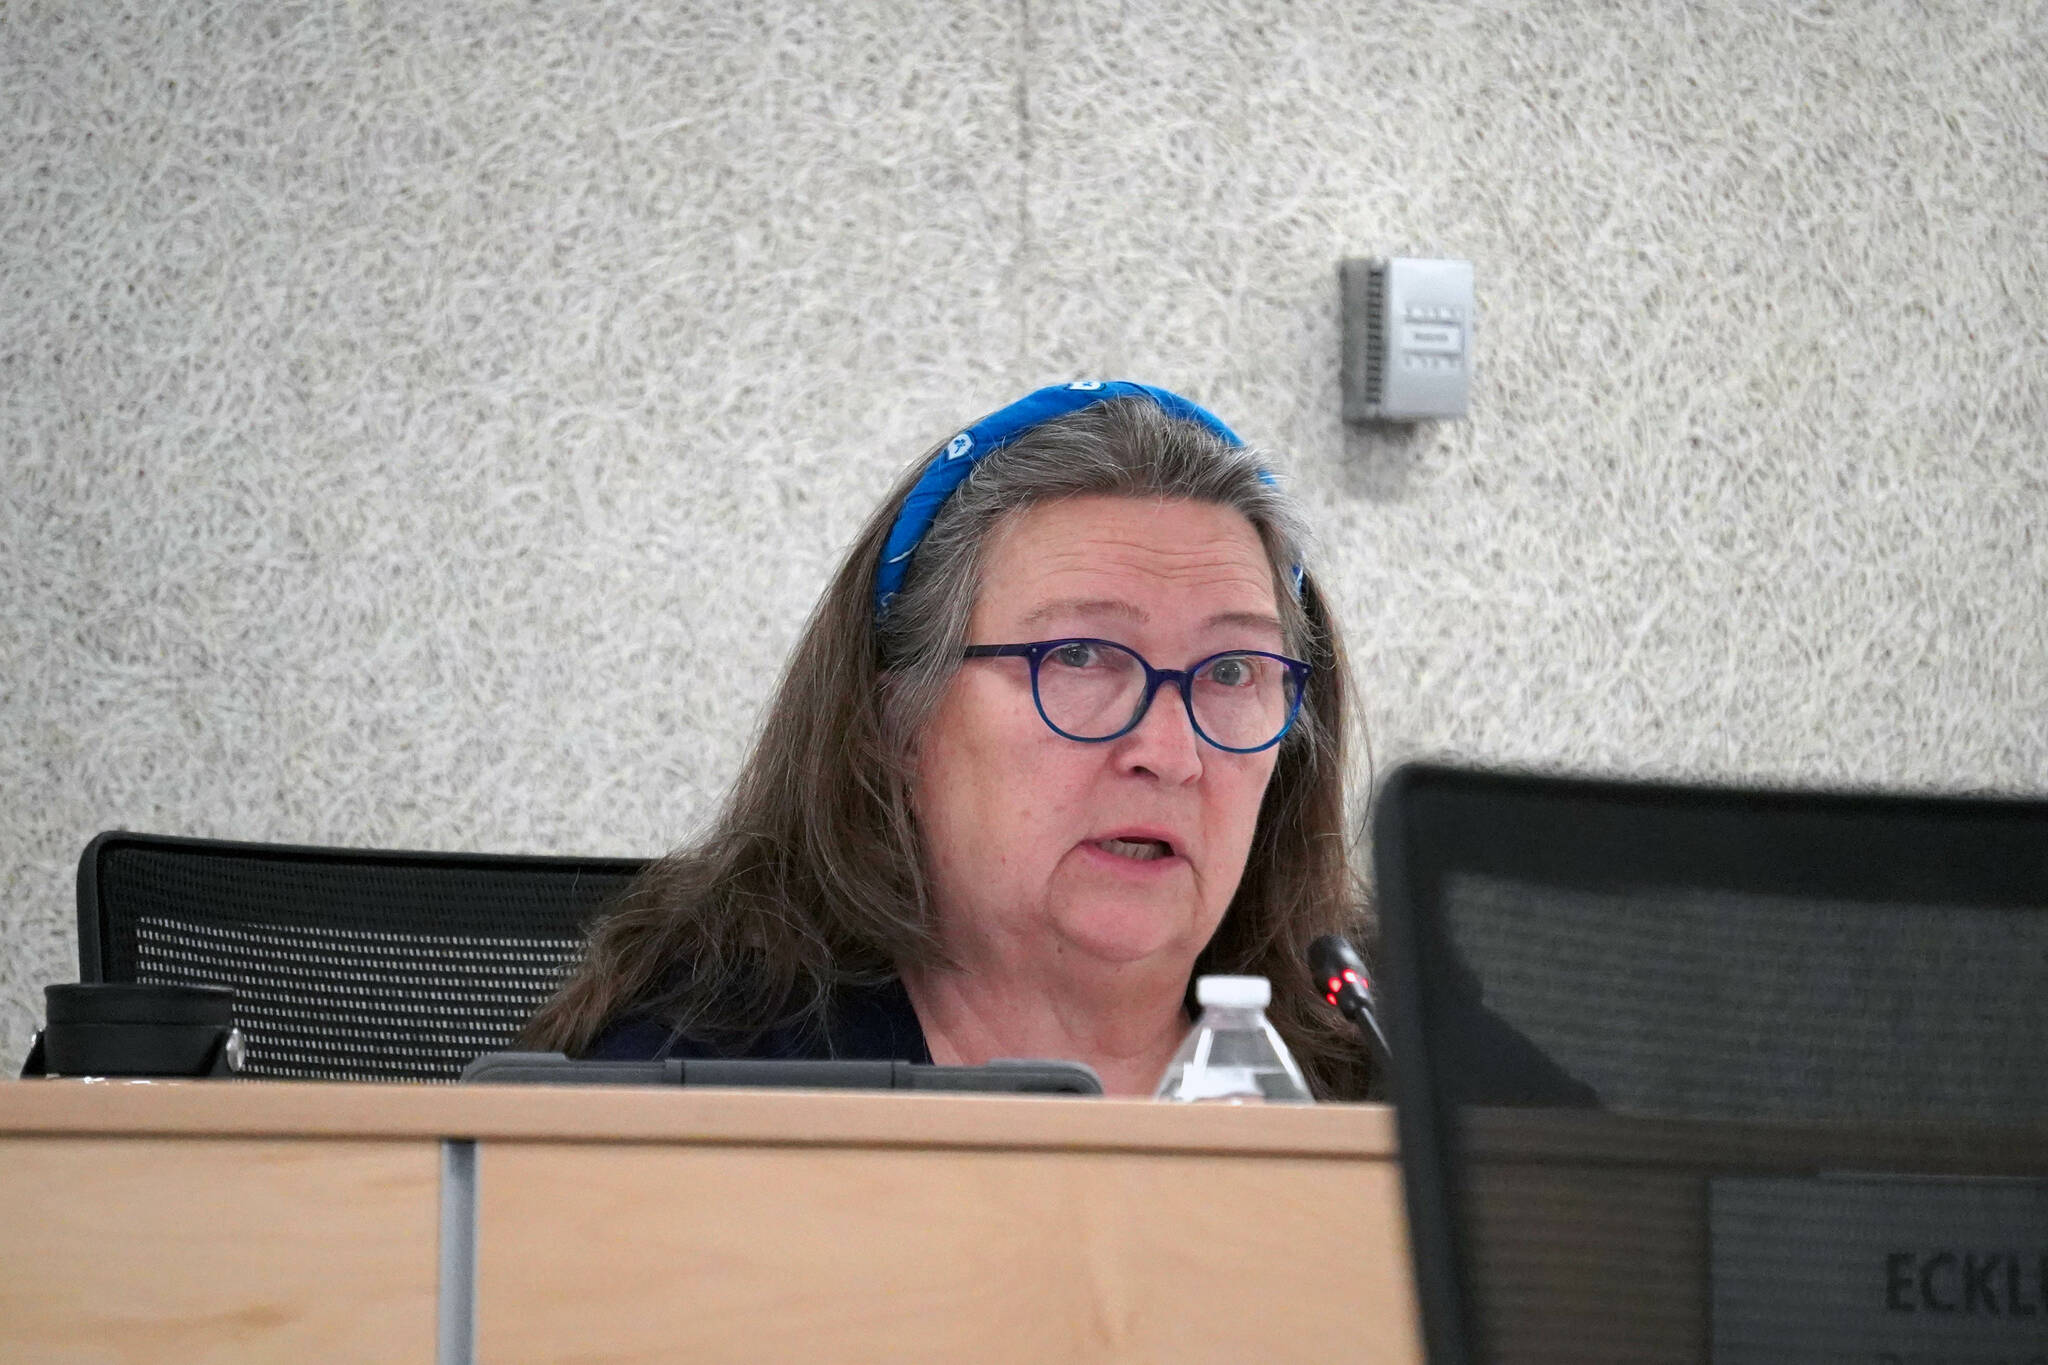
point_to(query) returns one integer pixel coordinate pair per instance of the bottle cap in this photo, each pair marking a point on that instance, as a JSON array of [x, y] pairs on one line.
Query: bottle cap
[[1234, 992]]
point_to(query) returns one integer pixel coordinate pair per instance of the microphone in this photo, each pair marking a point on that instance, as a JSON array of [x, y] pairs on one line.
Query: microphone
[[1341, 977]]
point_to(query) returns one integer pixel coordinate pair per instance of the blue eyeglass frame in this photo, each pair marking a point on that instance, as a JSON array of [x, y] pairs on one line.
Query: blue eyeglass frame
[[1155, 678]]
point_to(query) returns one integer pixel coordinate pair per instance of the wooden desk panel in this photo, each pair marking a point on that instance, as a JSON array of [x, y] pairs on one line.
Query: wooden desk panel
[[816, 1118], [280, 1221], [229, 1249], [732, 1254]]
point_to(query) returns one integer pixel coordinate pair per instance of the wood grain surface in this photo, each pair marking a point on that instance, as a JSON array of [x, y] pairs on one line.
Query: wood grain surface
[[649, 1254], [217, 1249]]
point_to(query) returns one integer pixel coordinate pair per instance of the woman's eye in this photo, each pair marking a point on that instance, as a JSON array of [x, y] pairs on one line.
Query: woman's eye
[[1074, 655], [1232, 672]]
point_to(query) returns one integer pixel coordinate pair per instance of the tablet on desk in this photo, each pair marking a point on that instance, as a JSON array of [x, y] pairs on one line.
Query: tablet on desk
[[1001, 1077]]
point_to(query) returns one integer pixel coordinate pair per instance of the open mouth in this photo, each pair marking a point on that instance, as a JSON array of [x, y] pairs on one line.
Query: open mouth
[[1138, 850]]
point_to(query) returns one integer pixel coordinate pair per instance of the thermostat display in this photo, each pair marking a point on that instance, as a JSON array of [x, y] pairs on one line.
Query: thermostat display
[[1407, 338]]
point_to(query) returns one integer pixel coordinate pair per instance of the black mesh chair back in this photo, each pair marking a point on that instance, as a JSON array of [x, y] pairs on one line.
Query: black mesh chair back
[[1727, 982], [346, 964]]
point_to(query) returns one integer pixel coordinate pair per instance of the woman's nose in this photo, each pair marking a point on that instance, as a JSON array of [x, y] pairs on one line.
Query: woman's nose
[[1164, 742]]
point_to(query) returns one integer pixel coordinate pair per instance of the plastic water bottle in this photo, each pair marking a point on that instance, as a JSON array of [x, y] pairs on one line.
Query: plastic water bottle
[[1233, 1054]]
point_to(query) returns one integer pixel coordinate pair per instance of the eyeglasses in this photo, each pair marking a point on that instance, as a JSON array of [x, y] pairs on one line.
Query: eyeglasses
[[1241, 701]]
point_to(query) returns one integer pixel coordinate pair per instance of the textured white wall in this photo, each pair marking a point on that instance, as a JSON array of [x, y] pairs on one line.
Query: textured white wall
[[427, 426]]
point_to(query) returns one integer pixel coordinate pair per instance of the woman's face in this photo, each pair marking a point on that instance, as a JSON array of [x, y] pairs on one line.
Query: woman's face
[[1029, 837]]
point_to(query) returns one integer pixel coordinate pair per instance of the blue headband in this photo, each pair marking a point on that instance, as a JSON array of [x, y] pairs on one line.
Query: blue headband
[[998, 429]]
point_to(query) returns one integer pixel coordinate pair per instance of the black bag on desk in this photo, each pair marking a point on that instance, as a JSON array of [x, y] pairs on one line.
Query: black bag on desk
[[136, 1029]]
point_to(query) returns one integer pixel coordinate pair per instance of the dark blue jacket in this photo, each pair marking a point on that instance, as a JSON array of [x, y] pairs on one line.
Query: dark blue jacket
[[872, 1024]]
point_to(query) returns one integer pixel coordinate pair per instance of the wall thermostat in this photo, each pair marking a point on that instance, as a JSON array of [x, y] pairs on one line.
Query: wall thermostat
[[1407, 338]]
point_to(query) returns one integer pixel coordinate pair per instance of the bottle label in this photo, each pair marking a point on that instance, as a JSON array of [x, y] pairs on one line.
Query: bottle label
[[1221, 1083]]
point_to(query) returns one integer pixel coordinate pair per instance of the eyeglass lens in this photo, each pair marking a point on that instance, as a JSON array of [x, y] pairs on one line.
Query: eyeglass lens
[[1094, 690]]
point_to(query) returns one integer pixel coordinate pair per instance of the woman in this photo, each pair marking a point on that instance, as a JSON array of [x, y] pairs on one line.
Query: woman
[[1066, 730]]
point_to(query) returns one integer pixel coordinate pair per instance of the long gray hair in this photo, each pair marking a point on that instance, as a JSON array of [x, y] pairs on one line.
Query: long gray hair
[[811, 879]]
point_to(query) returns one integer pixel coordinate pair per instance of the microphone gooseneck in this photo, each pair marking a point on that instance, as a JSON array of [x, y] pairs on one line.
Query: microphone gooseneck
[[1341, 977]]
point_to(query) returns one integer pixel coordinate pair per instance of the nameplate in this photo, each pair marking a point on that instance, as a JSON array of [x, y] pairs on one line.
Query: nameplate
[[1878, 1270]]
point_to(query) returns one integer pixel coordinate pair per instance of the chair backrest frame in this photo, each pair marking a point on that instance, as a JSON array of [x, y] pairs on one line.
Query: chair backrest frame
[[551, 913]]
